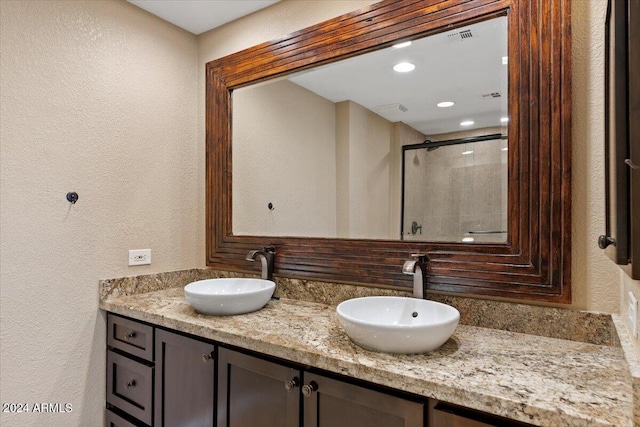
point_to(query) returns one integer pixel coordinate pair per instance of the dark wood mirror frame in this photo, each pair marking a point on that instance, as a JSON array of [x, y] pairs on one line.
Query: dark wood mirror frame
[[534, 263]]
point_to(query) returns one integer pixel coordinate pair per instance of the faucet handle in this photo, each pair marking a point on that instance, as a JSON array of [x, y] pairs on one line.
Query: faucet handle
[[266, 256], [416, 267]]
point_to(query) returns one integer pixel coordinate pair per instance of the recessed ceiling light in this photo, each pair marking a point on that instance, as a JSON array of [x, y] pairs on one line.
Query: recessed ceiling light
[[445, 104], [505, 149], [505, 60], [467, 123], [504, 119], [401, 45], [467, 152], [404, 67], [467, 239]]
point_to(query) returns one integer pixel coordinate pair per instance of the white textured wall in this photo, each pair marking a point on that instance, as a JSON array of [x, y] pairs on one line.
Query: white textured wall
[[97, 97]]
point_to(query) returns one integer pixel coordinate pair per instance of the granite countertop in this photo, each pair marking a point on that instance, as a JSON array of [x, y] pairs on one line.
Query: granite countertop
[[539, 380]]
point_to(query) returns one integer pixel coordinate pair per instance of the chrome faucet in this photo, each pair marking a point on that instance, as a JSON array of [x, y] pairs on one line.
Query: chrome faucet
[[267, 257], [416, 267]]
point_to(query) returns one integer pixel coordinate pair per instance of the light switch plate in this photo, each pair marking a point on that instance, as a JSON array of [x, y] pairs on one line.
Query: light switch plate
[[139, 257], [633, 315]]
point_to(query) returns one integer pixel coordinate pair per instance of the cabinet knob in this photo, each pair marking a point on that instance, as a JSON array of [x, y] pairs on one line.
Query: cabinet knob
[[291, 384], [130, 335], [604, 241], [206, 357], [308, 389], [131, 383]]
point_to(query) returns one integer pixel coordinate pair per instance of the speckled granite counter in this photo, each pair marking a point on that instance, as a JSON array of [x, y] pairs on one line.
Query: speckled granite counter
[[543, 381]]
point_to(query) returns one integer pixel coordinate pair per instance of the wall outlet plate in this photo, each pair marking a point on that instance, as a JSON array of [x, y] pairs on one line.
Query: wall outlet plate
[[139, 257], [633, 315]]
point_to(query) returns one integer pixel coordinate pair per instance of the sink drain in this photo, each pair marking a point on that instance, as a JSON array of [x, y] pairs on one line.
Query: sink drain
[[414, 314]]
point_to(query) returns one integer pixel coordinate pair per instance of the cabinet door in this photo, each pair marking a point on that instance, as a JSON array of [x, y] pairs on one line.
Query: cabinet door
[[443, 414], [255, 392], [332, 403], [185, 378]]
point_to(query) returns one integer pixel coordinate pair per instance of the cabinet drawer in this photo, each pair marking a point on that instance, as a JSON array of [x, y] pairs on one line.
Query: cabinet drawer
[[130, 386], [130, 336], [115, 420]]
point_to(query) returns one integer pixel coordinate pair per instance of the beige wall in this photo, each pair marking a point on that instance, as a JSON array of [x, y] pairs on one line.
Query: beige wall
[[267, 24], [402, 134], [295, 170], [324, 166], [364, 172], [627, 285], [598, 284], [97, 97], [596, 280]]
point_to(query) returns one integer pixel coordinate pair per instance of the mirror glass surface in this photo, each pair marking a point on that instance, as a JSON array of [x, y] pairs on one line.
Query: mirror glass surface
[[456, 190], [320, 153]]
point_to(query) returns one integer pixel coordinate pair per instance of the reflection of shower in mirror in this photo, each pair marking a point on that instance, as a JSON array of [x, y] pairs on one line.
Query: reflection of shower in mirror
[[458, 191]]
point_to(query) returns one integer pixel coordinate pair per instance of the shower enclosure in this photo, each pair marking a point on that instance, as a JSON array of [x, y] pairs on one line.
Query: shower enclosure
[[455, 190]]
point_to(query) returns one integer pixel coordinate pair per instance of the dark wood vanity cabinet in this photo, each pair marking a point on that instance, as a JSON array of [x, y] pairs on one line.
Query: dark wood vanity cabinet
[[157, 377], [115, 420], [257, 392], [130, 372], [185, 380], [442, 414], [328, 402]]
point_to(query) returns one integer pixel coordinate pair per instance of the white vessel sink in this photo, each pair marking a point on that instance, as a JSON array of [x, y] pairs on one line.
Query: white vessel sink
[[228, 296], [397, 324]]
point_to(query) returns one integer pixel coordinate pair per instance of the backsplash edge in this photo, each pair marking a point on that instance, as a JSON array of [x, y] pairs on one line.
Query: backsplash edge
[[552, 322]]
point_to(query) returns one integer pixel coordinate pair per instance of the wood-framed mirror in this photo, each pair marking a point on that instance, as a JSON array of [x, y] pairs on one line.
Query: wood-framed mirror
[[533, 261]]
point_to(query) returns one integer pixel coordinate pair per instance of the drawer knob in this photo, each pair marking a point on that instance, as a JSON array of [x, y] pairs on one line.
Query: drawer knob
[[129, 336], [131, 383], [206, 357], [308, 389], [291, 384]]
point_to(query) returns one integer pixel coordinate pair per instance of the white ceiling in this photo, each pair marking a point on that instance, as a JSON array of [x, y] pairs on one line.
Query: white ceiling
[[199, 16], [448, 68]]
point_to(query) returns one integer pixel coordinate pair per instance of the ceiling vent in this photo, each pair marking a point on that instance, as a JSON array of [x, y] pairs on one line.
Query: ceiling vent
[[459, 36], [491, 95], [391, 108]]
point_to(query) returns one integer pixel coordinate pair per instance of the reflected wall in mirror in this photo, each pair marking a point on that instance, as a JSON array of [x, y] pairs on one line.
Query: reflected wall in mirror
[[532, 262], [323, 147]]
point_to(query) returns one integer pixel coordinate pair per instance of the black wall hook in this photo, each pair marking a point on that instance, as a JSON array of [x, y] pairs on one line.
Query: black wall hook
[[72, 196]]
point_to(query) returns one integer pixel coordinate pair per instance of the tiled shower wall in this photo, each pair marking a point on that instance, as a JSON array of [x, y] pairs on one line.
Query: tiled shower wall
[[457, 189]]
